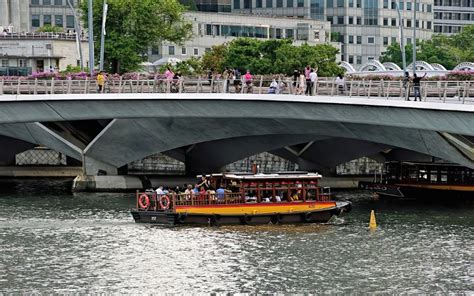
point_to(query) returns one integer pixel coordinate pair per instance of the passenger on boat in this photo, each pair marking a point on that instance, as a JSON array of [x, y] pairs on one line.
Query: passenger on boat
[[220, 192], [189, 192], [159, 191], [202, 193], [204, 182]]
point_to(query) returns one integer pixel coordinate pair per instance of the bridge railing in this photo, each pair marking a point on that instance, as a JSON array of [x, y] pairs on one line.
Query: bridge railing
[[433, 91]]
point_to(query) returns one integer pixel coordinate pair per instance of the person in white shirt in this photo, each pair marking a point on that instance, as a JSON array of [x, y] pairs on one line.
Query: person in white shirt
[[159, 191], [313, 76], [341, 83]]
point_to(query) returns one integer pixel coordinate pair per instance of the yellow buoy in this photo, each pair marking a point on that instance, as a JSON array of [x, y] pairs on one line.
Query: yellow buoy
[[372, 223]]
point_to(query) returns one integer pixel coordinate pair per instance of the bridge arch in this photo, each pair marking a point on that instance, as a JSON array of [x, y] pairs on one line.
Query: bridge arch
[[466, 66], [348, 67], [372, 65], [391, 66], [421, 65]]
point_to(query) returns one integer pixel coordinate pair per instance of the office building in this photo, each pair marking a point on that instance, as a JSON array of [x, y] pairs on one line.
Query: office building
[[364, 27], [216, 28], [451, 15]]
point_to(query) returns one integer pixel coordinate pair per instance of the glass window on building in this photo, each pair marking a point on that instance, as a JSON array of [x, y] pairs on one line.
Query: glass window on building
[[371, 15], [394, 5], [329, 3], [46, 2], [409, 23], [385, 40], [370, 58], [359, 39], [258, 3], [4, 63], [58, 2], [385, 3], [417, 6], [351, 20], [208, 29], [184, 51], [428, 25], [196, 51], [300, 3], [58, 20], [329, 19], [371, 40], [155, 51], [385, 21], [351, 3], [401, 5], [269, 3], [359, 20], [417, 23], [340, 20], [35, 2], [22, 63], [408, 40], [351, 59], [279, 3], [340, 3], [289, 3], [394, 22], [171, 50], [35, 21], [394, 39], [351, 39], [46, 20], [237, 4], [69, 21], [359, 60], [408, 5], [359, 3], [290, 33], [278, 34], [247, 4]]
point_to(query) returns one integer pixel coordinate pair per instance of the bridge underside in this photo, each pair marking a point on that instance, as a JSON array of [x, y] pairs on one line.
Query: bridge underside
[[208, 144]]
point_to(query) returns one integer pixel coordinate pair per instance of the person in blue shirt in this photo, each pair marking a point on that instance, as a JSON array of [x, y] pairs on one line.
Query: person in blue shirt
[[220, 193]]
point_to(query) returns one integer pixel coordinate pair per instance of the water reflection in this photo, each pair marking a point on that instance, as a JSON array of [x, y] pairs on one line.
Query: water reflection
[[88, 243]]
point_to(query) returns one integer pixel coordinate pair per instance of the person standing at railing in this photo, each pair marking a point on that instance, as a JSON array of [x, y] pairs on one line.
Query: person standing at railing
[[307, 72], [248, 81], [226, 77], [313, 77], [100, 81], [220, 193], [341, 83], [417, 86]]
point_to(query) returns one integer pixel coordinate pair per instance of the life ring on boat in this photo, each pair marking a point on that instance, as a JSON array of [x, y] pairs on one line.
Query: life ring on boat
[[308, 217], [164, 202], [144, 201]]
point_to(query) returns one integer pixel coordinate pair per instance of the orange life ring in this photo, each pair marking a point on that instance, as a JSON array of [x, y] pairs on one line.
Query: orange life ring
[[144, 201], [164, 202]]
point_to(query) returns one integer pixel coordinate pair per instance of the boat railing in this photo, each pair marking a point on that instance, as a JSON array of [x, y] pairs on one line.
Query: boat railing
[[210, 198]]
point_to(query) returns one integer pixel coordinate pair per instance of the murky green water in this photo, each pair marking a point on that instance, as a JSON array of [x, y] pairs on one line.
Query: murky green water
[[53, 241]]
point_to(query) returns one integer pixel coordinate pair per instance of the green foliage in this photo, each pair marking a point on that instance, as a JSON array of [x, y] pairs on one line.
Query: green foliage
[[272, 56], [214, 59], [51, 29], [335, 36], [74, 69], [448, 51], [187, 67], [189, 4], [134, 26]]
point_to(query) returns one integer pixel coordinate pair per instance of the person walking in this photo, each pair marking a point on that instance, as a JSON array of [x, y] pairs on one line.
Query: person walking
[[417, 86], [341, 83], [101, 81], [313, 77]]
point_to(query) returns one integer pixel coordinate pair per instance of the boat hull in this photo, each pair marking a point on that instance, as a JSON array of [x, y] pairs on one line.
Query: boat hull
[[214, 219], [422, 191]]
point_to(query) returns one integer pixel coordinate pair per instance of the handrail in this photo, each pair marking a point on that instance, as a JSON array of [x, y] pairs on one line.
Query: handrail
[[43, 35], [434, 91]]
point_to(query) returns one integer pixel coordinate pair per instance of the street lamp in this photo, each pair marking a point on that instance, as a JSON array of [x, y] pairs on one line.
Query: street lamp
[[414, 37], [91, 39], [102, 36], [77, 27], [402, 48]]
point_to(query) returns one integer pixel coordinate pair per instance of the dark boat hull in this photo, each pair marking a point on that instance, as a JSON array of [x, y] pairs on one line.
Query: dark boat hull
[[170, 218], [420, 191]]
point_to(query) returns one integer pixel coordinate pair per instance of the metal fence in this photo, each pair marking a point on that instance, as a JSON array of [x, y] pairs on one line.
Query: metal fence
[[436, 91]]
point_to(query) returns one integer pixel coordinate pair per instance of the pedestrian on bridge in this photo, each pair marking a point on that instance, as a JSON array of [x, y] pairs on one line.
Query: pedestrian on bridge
[[101, 81], [417, 86]]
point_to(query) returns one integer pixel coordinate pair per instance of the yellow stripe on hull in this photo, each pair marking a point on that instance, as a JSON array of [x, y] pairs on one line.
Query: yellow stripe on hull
[[257, 209]]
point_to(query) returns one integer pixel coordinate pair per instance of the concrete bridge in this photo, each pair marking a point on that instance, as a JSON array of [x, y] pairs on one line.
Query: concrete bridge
[[210, 130]]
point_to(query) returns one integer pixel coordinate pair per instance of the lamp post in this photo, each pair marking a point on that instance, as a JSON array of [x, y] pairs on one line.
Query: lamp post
[[402, 49], [77, 27], [102, 36], [414, 37], [91, 39]]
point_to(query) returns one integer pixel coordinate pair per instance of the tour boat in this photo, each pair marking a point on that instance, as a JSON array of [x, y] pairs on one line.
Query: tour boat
[[247, 199], [424, 180]]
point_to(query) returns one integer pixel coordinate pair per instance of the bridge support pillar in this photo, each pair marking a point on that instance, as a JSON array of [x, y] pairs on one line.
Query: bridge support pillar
[[94, 167]]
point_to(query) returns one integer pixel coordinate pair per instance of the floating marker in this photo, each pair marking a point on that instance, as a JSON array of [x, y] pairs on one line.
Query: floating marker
[[372, 223]]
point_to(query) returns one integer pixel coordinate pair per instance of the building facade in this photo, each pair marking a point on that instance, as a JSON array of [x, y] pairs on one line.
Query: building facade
[[364, 27], [213, 29], [451, 15], [30, 15], [24, 53]]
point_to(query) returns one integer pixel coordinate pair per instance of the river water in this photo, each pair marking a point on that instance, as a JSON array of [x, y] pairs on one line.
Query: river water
[[55, 241]]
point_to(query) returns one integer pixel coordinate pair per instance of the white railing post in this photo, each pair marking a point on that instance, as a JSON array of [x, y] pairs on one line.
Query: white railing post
[[261, 84], [1, 87], [18, 87]]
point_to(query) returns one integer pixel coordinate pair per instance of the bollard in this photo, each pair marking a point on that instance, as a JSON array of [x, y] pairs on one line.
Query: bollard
[[372, 223]]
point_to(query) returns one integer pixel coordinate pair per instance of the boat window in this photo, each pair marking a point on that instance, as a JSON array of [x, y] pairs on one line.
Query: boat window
[[434, 176], [444, 177]]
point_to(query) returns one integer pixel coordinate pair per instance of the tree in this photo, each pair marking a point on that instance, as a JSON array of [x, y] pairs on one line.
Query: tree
[[51, 29], [134, 26], [214, 58]]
